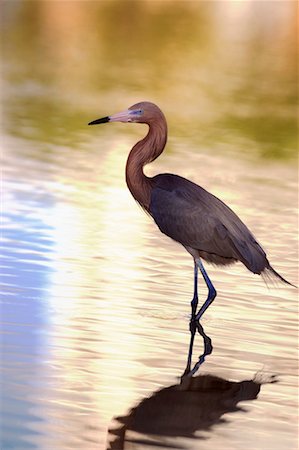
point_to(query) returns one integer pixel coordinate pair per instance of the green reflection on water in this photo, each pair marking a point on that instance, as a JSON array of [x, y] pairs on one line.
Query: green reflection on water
[[276, 136], [220, 71], [46, 120]]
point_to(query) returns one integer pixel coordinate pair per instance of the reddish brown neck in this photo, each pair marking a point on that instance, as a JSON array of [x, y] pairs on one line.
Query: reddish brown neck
[[144, 152]]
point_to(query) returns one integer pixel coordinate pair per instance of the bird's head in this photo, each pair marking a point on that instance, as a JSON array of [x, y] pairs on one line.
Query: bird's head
[[143, 112]]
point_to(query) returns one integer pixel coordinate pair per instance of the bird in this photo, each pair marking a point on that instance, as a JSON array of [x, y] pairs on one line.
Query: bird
[[184, 211]]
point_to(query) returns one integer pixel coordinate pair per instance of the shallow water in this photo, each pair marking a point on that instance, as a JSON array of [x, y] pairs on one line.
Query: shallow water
[[95, 301]]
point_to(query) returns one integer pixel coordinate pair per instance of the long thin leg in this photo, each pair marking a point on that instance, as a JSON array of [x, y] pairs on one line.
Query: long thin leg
[[212, 291], [192, 325], [208, 348]]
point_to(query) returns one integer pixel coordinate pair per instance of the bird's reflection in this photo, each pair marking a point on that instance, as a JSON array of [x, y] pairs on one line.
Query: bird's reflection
[[208, 348], [179, 411]]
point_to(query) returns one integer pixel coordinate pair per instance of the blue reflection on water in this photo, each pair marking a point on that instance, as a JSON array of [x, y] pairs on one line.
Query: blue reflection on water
[[25, 273]]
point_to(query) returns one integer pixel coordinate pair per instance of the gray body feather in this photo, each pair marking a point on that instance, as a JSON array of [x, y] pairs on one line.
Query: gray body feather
[[192, 216]]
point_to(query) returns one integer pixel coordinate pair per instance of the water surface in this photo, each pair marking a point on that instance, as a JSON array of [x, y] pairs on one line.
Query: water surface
[[95, 301]]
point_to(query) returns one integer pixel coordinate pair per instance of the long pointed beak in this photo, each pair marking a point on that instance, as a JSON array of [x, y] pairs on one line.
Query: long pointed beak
[[102, 120], [124, 116]]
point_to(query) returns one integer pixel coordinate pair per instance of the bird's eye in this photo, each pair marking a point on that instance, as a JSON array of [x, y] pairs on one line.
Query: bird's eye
[[137, 112]]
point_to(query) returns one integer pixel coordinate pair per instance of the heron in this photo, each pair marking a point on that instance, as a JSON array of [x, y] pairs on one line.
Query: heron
[[187, 213]]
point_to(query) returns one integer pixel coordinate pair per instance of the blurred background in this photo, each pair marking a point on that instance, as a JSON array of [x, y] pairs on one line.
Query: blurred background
[[95, 302]]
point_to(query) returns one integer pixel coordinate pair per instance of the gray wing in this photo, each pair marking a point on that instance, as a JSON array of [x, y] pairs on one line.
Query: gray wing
[[192, 216]]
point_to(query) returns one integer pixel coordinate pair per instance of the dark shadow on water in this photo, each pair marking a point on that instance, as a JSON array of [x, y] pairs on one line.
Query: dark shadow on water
[[194, 405]]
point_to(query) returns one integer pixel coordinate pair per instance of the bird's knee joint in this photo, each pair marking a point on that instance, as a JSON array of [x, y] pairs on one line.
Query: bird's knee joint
[[212, 293], [194, 301]]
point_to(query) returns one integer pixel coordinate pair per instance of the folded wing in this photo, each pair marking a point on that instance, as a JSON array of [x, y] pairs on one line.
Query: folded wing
[[192, 216]]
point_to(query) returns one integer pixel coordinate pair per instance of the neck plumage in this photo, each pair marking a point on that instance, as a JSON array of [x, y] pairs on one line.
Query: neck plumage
[[144, 152]]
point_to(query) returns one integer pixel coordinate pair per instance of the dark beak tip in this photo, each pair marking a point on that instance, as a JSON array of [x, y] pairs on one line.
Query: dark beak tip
[[97, 121]]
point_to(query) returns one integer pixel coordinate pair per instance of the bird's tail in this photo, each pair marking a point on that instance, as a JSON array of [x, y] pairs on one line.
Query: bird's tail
[[270, 274]]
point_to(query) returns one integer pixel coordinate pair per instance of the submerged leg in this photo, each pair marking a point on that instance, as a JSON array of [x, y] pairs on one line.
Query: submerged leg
[[192, 324]]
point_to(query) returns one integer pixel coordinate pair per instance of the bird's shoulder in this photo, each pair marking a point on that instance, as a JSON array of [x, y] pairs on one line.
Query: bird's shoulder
[[178, 193], [174, 186]]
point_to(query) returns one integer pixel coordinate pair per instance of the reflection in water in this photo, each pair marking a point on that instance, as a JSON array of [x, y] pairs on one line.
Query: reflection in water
[[25, 278], [208, 348], [173, 416]]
